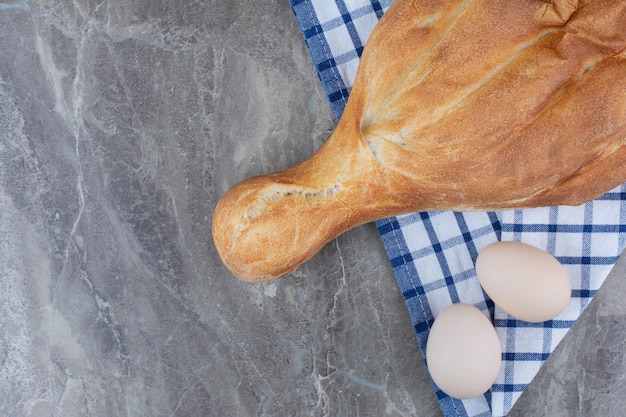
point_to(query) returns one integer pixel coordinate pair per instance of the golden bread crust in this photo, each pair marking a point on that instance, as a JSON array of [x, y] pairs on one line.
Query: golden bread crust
[[457, 105]]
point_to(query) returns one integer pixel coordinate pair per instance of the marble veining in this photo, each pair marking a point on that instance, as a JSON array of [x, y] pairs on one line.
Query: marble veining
[[121, 125]]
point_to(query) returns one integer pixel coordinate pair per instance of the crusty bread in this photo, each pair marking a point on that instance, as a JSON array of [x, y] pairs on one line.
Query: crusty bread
[[457, 105]]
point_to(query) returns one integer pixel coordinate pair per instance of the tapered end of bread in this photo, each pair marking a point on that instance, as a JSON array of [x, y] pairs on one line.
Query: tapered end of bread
[[264, 228]]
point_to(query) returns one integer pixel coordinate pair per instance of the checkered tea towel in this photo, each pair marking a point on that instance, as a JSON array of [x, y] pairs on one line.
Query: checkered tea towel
[[433, 253]]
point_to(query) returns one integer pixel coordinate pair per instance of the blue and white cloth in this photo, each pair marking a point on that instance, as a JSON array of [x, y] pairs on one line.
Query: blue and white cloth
[[433, 253]]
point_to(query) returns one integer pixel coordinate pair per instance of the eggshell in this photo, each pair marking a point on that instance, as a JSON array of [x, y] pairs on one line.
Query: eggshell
[[524, 281], [463, 353]]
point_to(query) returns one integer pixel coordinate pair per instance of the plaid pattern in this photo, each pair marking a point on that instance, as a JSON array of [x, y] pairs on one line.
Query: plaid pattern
[[433, 253], [335, 33]]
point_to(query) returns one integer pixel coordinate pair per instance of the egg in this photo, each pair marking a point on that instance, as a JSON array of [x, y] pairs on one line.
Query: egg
[[524, 281], [463, 353]]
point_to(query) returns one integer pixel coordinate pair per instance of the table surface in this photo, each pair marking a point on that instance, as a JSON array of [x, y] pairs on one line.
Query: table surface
[[122, 124]]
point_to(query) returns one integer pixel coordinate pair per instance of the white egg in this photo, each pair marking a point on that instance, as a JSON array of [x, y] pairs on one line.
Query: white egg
[[524, 281], [463, 353]]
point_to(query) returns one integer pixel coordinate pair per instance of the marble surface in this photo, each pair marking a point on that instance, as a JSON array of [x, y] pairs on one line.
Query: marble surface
[[121, 125]]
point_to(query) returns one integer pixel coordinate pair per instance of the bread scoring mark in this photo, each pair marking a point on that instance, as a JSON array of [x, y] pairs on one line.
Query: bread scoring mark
[[279, 192], [443, 111], [428, 21], [590, 65], [455, 16], [373, 146], [376, 145], [561, 93]]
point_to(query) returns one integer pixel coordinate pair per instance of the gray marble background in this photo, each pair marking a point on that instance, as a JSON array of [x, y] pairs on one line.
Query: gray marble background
[[121, 124]]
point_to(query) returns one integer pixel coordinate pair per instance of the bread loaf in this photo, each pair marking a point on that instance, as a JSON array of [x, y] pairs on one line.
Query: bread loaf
[[457, 105]]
